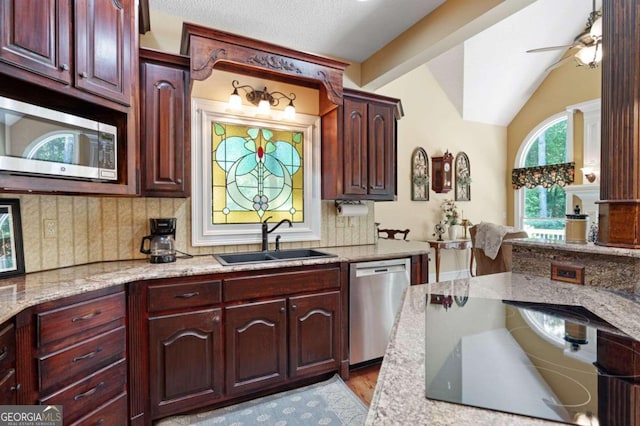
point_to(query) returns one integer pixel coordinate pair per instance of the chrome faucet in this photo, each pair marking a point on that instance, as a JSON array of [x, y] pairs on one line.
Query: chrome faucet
[[266, 231]]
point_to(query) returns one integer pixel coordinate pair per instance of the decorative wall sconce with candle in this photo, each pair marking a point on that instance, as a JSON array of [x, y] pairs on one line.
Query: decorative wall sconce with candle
[[263, 99], [590, 173]]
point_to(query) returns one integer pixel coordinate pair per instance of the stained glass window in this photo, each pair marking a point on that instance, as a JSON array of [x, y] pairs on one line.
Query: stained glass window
[[257, 172]]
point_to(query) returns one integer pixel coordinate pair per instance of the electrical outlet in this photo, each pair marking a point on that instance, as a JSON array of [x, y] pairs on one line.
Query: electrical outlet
[[50, 228]]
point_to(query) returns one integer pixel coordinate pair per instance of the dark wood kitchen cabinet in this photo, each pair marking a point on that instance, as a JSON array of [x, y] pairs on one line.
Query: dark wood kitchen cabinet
[[296, 335], [359, 148], [185, 361], [164, 102], [8, 383], [84, 45], [214, 339], [77, 355]]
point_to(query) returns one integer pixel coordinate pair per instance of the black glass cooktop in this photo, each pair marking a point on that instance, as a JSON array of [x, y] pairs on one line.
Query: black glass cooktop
[[556, 362]]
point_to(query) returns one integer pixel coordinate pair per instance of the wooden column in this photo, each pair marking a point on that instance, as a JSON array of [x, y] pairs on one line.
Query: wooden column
[[619, 220]]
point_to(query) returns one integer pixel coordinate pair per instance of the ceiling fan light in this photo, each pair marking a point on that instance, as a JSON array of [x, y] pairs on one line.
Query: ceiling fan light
[[596, 29], [589, 56]]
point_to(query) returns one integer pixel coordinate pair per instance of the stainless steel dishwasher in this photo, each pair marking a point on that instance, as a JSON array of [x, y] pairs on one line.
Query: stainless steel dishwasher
[[375, 295]]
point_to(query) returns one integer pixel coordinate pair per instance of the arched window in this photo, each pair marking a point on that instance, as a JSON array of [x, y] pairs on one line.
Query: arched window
[[541, 210], [57, 146]]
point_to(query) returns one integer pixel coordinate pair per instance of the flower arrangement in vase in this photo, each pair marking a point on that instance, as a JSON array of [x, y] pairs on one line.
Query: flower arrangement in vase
[[450, 217]]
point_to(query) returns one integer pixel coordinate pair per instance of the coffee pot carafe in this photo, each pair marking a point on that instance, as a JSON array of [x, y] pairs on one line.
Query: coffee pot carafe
[[162, 246]]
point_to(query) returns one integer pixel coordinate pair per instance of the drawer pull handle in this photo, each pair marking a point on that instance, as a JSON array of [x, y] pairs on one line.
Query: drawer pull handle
[[3, 353], [99, 422], [6, 377], [187, 295], [87, 356], [89, 392], [86, 317]]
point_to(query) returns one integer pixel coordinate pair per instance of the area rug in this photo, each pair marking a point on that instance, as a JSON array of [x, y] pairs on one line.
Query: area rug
[[326, 403]]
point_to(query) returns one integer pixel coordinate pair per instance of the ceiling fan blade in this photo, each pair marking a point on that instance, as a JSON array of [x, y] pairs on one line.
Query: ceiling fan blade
[[547, 49], [558, 63]]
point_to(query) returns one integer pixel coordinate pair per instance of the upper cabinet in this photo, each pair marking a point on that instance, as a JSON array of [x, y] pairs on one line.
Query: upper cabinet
[[78, 57], [85, 46], [359, 148], [164, 115]]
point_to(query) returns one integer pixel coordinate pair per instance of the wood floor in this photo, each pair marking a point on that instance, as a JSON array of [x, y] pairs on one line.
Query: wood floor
[[363, 382]]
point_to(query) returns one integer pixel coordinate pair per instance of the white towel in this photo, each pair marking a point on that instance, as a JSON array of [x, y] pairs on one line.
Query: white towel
[[489, 237]]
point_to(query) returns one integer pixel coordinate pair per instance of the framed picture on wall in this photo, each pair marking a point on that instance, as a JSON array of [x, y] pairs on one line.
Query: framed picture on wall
[[11, 250], [419, 175], [463, 177]]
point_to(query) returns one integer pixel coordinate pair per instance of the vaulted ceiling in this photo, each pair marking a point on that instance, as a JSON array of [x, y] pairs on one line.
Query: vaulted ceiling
[[488, 76]]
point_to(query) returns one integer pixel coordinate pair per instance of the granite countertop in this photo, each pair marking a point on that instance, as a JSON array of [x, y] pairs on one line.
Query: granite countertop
[[19, 293], [399, 397], [589, 248]]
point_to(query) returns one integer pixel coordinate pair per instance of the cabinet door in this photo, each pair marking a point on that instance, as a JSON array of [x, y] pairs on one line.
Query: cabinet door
[[8, 385], [382, 151], [163, 140], [314, 333], [185, 360], [256, 346], [35, 35], [103, 48], [355, 147]]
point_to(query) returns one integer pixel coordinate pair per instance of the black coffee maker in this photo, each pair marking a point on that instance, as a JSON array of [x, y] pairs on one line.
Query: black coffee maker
[[162, 244]]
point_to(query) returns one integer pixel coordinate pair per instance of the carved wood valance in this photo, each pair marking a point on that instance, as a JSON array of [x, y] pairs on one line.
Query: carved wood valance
[[209, 48]]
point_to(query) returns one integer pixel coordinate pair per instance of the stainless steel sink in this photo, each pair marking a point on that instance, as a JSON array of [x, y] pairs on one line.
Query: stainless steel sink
[[270, 256]]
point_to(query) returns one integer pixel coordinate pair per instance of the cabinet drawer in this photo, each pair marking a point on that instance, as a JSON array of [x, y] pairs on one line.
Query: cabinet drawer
[[269, 285], [183, 295], [7, 349], [64, 322], [91, 354], [93, 391], [113, 412]]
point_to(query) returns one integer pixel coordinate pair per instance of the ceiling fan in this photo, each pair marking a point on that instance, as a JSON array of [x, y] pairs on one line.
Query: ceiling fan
[[588, 43]]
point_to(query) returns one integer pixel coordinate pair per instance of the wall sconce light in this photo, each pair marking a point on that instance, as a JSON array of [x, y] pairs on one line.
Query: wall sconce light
[[589, 173], [263, 99]]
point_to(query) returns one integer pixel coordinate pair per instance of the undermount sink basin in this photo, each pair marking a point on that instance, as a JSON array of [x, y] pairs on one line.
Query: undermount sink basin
[[270, 256]]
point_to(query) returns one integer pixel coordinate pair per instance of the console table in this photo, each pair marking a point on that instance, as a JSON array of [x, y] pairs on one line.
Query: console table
[[448, 245]]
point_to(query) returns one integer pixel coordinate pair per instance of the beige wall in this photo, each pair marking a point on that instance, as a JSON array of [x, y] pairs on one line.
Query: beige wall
[[565, 86], [432, 122]]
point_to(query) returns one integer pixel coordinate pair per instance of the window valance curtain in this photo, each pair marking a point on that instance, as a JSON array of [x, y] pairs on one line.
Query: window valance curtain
[[545, 176]]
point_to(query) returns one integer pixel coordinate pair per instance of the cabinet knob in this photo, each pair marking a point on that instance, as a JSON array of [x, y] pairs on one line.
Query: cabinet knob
[[282, 309], [216, 319], [84, 74], [16, 387], [178, 180], [294, 307], [64, 67]]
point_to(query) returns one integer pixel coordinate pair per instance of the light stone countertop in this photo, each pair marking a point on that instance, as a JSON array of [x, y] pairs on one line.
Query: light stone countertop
[[589, 248], [399, 397], [19, 293]]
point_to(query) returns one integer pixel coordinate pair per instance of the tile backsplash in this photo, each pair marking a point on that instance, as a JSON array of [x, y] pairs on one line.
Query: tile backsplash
[[96, 229]]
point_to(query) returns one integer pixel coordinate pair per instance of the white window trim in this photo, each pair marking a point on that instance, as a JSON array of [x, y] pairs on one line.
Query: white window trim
[[518, 199], [203, 232]]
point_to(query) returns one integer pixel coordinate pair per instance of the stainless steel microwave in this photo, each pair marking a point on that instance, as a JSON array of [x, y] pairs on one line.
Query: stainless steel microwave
[[41, 141]]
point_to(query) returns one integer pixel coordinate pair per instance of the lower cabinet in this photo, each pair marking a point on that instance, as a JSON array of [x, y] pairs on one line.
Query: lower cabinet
[[214, 339], [8, 384], [76, 356], [314, 333], [300, 332], [256, 345], [186, 360]]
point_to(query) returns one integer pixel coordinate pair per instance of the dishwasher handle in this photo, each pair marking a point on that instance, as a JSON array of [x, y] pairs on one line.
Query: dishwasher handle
[[379, 270]]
